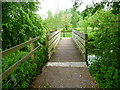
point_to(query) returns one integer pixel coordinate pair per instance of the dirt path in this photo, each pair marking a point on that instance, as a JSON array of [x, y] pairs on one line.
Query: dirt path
[[66, 69]]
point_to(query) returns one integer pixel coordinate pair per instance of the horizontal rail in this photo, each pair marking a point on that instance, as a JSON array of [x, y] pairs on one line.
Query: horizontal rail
[[66, 31], [53, 44], [52, 34], [14, 66], [52, 51], [80, 34], [52, 40], [81, 47], [17, 47], [81, 40]]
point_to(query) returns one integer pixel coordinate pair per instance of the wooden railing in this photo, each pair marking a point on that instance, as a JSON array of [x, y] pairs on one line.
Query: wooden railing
[[52, 40], [18, 47], [66, 33], [81, 40]]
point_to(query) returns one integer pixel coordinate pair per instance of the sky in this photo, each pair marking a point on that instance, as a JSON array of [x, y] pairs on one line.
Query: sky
[[55, 5]]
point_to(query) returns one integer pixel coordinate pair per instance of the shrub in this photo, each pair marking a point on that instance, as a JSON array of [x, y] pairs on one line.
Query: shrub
[[26, 72]]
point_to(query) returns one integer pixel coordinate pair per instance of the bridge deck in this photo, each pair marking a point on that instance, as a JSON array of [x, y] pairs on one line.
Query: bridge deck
[[66, 52], [66, 69]]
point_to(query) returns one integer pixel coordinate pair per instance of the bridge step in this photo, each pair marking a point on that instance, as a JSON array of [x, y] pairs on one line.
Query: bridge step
[[67, 64]]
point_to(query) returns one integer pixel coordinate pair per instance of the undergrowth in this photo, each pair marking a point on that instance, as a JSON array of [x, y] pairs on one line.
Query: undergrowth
[[26, 72]]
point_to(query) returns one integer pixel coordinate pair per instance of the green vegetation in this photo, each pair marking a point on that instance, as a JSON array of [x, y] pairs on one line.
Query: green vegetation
[[66, 34], [103, 38], [20, 22], [26, 72], [60, 21], [100, 21]]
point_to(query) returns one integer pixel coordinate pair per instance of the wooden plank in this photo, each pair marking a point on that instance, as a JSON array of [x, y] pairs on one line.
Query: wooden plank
[[51, 53], [82, 41], [66, 31], [80, 44], [52, 45], [82, 35], [17, 47], [56, 42], [46, 41], [52, 42], [80, 47], [80, 51], [79, 33], [46, 44], [53, 39], [86, 46], [14, 66], [31, 49], [53, 34]]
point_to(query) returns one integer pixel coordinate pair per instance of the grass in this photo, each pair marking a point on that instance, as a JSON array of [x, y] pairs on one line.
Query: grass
[[67, 34]]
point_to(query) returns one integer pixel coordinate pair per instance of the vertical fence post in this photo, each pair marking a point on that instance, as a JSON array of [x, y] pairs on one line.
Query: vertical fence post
[[63, 32], [31, 49], [72, 34], [59, 35], [46, 44], [86, 48]]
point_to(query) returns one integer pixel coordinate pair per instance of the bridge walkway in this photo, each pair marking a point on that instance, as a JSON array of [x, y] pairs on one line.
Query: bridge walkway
[[66, 69]]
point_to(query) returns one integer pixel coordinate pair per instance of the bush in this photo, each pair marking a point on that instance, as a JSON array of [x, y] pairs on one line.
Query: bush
[[26, 72], [91, 41], [106, 76], [106, 69]]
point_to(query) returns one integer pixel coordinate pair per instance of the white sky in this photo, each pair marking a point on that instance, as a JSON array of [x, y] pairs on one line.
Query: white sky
[[54, 5]]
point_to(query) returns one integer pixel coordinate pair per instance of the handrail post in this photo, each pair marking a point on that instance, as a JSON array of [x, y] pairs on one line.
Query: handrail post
[[31, 49], [86, 47], [46, 44]]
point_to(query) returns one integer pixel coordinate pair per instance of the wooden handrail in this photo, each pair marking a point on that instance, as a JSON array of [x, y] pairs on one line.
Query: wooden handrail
[[14, 66], [80, 34], [52, 34], [52, 40], [17, 47], [81, 41]]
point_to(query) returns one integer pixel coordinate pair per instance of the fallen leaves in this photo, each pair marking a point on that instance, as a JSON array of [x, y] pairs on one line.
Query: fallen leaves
[[80, 75], [45, 71]]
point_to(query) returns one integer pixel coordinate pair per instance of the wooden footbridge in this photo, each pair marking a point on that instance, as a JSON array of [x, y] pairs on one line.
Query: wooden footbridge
[[67, 62]]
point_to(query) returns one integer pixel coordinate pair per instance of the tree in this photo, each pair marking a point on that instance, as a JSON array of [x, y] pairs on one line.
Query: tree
[[75, 17], [60, 20], [20, 23], [105, 17]]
